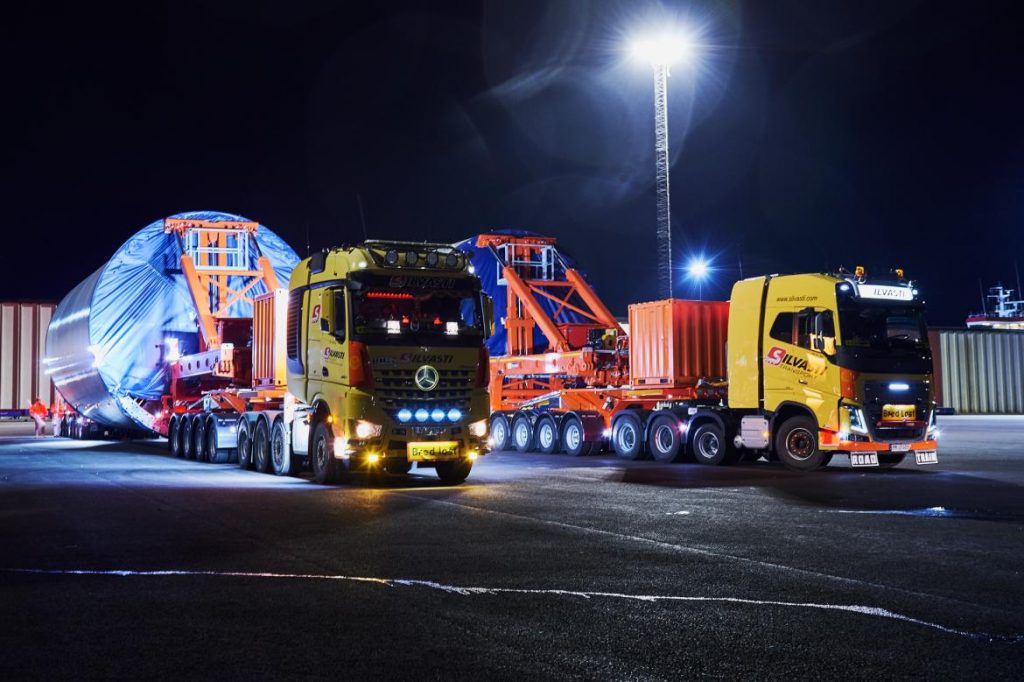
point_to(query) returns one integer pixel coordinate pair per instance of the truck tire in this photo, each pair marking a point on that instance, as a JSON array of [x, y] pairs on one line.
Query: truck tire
[[199, 439], [500, 432], [186, 438], [327, 469], [454, 473], [573, 437], [546, 435], [213, 453], [664, 439], [710, 446], [244, 448], [282, 462], [522, 433], [627, 436], [261, 447], [174, 437], [796, 444], [172, 426]]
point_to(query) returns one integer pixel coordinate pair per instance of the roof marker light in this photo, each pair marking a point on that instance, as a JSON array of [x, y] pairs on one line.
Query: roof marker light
[[899, 386]]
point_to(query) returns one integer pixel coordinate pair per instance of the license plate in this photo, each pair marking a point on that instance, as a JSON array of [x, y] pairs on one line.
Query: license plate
[[899, 413], [442, 449], [927, 457], [864, 459], [899, 447]]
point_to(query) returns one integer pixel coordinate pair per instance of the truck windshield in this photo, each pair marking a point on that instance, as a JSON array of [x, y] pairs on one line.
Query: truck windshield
[[441, 317], [883, 326]]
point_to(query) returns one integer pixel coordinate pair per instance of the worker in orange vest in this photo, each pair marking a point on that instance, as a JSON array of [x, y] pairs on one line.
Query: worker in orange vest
[[38, 413]]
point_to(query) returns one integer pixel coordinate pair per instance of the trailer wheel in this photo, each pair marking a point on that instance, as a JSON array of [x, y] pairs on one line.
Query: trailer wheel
[[522, 433], [627, 436], [547, 435], [174, 437], [186, 438], [261, 447], [244, 456], [453, 473], [573, 437], [796, 444], [199, 439], [282, 462], [664, 440], [326, 467], [499, 432], [213, 453], [709, 446]]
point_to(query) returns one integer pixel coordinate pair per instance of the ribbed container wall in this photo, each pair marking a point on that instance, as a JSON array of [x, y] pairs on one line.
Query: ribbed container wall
[[675, 342], [981, 371], [22, 373]]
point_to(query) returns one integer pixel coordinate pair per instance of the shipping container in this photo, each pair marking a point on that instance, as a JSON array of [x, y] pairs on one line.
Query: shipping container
[[676, 342], [979, 371], [22, 371]]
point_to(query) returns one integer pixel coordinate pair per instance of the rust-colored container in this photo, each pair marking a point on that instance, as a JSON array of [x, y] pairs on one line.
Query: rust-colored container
[[23, 375], [268, 339], [676, 342]]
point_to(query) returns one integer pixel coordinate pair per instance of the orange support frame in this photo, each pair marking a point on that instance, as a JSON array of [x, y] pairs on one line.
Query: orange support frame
[[208, 270]]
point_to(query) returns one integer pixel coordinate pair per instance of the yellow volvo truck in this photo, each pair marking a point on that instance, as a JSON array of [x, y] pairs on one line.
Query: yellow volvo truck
[[386, 358], [827, 364]]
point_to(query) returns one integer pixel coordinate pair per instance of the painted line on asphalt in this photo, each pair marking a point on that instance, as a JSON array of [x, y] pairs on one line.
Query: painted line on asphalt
[[466, 591]]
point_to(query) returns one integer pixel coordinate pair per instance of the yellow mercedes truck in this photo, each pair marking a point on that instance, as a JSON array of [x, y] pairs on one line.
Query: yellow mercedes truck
[[386, 361]]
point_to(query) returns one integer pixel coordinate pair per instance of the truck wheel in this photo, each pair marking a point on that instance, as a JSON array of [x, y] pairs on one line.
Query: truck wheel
[[174, 437], [326, 468], [199, 439], [663, 438], [499, 432], [709, 445], [213, 453], [244, 456], [796, 444], [186, 438], [261, 447], [282, 462], [453, 473], [627, 438], [522, 433], [547, 435], [573, 437]]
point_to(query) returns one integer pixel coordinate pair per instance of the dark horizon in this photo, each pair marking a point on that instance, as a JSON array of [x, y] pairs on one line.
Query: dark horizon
[[808, 138]]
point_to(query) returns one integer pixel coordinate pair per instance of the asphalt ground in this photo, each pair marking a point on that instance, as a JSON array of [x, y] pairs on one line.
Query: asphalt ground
[[118, 561]]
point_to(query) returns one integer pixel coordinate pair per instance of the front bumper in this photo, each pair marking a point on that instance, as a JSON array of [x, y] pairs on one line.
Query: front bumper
[[874, 446]]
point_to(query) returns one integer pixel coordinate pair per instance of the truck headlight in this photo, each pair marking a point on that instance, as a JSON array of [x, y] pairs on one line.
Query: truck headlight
[[366, 430], [478, 429], [857, 422]]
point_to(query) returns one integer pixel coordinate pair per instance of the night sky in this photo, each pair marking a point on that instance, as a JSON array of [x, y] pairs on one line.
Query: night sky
[[809, 134]]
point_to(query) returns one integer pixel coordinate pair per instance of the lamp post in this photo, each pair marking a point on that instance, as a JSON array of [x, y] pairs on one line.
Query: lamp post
[[662, 52]]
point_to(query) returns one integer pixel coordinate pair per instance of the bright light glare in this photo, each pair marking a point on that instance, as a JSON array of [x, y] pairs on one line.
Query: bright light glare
[[666, 48], [372, 457], [698, 268]]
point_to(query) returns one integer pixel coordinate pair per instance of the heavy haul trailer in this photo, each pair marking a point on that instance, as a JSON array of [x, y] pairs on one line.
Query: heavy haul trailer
[[372, 359], [794, 367]]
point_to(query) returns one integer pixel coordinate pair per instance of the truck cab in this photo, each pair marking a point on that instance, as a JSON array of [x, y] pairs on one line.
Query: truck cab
[[386, 355], [823, 364]]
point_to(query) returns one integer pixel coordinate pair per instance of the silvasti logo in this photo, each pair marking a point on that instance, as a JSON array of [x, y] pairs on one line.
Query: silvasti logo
[[780, 357], [332, 354]]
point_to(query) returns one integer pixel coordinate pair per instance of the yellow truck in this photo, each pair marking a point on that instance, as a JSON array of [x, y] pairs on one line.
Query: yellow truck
[[373, 359]]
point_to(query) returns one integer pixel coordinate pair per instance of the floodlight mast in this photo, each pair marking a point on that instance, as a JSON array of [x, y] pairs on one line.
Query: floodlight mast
[[661, 160]]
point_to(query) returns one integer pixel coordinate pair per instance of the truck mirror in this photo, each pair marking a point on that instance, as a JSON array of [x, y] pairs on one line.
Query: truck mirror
[[488, 316]]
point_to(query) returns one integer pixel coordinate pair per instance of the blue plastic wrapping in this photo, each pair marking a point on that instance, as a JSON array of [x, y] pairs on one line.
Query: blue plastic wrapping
[[103, 343], [486, 265]]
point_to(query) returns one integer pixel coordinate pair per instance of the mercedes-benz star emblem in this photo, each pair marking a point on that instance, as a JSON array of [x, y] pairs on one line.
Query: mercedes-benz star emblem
[[427, 378]]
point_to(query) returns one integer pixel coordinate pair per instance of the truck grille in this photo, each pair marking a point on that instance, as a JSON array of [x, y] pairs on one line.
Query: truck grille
[[396, 389], [877, 394]]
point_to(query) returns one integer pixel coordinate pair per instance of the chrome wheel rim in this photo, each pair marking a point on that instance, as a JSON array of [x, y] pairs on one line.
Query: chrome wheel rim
[[522, 434], [546, 435], [627, 437], [800, 444], [664, 438], [573, 437], [708, 445]]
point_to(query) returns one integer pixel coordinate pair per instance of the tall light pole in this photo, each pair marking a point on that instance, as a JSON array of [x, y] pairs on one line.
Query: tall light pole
[[662, 52]]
